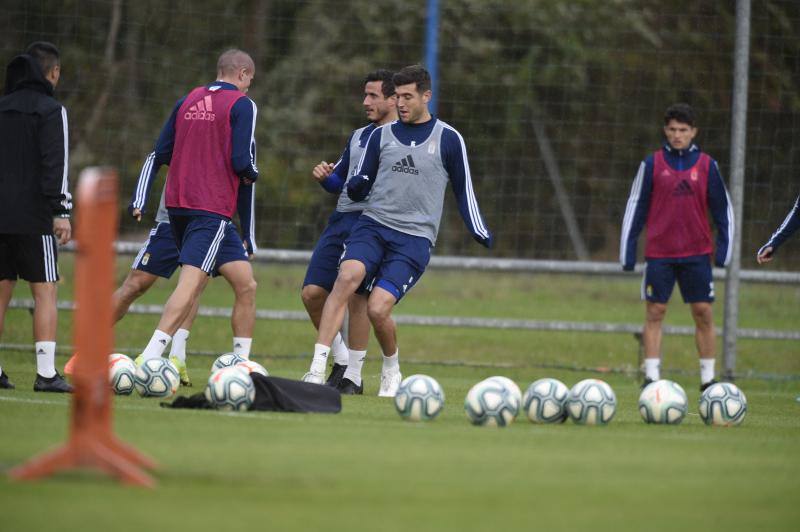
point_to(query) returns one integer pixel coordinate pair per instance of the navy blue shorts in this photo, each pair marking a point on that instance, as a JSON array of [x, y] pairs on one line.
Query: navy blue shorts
[[159, 254], [693, 275], [394, 261], [324, 265], [206, 242]]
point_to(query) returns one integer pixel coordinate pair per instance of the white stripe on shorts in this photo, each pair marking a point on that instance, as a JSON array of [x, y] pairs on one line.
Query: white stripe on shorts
[[211, 255], [139, 255], [48, 245], [644, 280]]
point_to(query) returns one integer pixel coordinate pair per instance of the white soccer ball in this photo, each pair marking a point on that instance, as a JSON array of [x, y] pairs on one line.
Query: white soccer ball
[[723, 404], [591, 402], [545, 401], [230, 388], [156, 377], [227, 360], [491, 403], [121, 371], [252, 367], [419, 398], [508, 383], [663, 401]]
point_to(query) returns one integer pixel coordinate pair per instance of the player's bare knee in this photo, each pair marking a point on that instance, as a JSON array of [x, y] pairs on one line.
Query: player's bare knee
[[378, 310], [313, 296], [246, 288], [347, 280], [656, 312], [702, 315]]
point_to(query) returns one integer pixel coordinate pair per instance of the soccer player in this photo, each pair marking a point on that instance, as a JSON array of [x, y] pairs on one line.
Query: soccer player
[[786, 229], [158, 257], [208, 142], [35, 204], [404, 171], [671, 194], [380, 105]]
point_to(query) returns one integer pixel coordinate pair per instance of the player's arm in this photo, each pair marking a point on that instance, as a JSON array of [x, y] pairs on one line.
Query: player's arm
[[332, 177], [790, 224], [245, 206], [361, 182], [161, 155], [54, 161], [636, 214], [243, 139], [454, 158], [719, 202]]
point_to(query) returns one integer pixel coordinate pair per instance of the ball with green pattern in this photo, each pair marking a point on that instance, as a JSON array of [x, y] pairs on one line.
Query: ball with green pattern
[[419, 398]]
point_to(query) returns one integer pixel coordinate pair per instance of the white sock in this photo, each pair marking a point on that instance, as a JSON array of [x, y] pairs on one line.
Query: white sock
[[321, 353], [46, 359], [391, 363], [651, 368], [241, 346], [156, 345], [178, 348], [340, 353], [707, 370], [354, 364]]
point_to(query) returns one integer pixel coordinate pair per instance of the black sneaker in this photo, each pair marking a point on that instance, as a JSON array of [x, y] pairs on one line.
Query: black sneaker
[[647, 382], [348, 387], [56, 383], [707, 384], [336, 375], [5, 383]]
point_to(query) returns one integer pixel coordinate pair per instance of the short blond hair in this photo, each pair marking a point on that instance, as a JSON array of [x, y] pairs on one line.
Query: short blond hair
[[233, 60]]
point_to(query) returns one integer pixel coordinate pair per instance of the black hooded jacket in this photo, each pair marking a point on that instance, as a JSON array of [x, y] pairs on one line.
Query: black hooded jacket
[[34, 148]]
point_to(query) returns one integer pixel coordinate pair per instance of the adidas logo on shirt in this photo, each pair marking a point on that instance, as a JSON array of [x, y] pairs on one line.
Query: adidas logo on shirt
[[683, 189], [201, 110], [405, 166]]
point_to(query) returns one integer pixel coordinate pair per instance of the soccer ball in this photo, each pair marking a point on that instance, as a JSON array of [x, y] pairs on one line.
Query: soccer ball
[[419, 398], [723, 404], [491, 403], [508, 383], [663, 401], [545, 401], [156, 377], [121, 370], [230, 388], [226, 360], [591, 402], [252, 367]]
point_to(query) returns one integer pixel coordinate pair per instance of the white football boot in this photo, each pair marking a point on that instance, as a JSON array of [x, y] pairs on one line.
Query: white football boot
[[390, 382], [314, 378]]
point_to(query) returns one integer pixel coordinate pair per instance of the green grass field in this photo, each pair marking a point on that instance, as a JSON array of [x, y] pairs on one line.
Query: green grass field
[[365, 469]]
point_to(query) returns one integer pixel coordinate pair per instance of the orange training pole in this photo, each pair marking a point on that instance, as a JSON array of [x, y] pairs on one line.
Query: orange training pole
[[91, 441]]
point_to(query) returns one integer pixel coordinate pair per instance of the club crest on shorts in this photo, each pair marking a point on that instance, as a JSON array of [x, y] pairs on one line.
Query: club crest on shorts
[[145, 259]]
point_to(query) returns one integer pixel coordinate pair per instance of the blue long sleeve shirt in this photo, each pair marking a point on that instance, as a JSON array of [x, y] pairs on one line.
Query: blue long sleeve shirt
[[454, 160], [790, 224], [638, 206], [243, 160]]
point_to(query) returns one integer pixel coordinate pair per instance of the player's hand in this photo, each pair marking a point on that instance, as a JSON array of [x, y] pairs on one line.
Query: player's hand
[[322, 170], [248, 251], [137, 213], [765, 255], [62, 229]]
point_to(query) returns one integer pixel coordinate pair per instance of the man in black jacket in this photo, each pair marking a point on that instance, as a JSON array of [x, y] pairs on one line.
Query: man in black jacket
[[35, 202]]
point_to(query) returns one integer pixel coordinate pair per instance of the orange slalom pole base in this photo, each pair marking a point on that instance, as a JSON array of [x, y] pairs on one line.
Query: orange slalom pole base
[[92, 442], [110, 456]]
